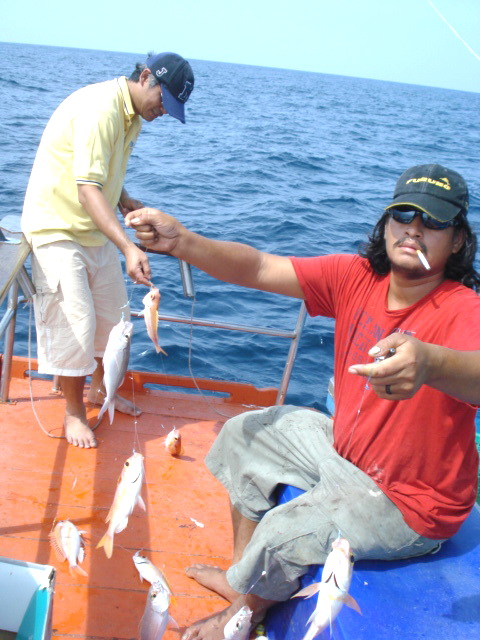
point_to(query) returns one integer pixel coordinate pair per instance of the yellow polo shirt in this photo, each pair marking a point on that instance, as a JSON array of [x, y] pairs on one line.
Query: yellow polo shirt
[[88, 140]]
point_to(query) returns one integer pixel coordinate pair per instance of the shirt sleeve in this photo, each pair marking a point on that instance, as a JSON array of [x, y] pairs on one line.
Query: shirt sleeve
[[94, 136], [321, 279]]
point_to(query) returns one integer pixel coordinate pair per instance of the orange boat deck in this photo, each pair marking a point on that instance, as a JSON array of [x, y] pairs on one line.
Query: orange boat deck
[[45, 480]]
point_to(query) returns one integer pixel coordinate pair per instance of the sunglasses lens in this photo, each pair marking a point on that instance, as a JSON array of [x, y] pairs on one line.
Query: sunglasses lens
[[406, 217]]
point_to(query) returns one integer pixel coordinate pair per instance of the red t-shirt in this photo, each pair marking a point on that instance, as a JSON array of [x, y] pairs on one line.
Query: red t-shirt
[[421, 452]]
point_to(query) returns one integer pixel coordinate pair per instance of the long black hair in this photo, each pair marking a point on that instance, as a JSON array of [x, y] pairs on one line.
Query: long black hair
[[459, 266]]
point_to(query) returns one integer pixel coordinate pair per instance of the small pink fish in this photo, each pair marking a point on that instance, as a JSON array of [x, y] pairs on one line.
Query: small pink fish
[[66, 541], [173, 442], [127, 495], [150, 313]]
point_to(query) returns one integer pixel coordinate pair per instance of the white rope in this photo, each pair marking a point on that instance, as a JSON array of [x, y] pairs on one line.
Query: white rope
[[454, 31]]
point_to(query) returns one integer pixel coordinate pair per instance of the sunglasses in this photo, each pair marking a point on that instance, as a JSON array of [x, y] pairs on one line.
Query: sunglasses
[[406, 217]]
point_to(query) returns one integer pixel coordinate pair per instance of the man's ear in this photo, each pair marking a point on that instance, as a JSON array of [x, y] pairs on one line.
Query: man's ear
[[458, 240], [144, 76]]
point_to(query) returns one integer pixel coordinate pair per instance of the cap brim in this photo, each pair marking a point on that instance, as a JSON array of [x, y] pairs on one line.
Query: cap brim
[[173, 107], [440, 210]]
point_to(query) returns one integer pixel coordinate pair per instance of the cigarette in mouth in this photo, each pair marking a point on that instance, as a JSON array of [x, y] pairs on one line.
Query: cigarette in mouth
[[423, 260]]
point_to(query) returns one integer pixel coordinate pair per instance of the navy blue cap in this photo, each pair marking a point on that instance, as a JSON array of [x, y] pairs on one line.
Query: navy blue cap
[[175, 76]]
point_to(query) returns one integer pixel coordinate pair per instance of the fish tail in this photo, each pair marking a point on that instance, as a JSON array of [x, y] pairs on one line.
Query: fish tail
[[311, 633], [111, 410], [78, 569], [103, 409], [159, 349], [107, 543]]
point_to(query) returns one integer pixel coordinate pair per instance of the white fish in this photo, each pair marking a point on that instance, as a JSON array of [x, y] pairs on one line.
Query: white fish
[[149, 572], [115, 362], [127, 495], [155, 616], [67, 543], [238, 627], [332, 590], [173, 442], [150, 313]]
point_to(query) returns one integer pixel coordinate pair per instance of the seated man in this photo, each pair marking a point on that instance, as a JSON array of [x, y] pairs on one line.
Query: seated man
[[396, 470]]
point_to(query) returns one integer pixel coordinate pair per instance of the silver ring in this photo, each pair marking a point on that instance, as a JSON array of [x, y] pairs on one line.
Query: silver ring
[[388, 389]]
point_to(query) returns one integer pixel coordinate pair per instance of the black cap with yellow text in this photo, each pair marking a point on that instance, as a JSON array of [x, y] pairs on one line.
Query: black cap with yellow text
[[440, 192]]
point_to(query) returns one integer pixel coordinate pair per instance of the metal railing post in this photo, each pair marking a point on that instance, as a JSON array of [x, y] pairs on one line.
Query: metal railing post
[[9, 339], [292, 354]]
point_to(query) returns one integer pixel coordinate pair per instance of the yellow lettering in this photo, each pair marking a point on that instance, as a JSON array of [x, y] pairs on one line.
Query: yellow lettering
[[431, 181]]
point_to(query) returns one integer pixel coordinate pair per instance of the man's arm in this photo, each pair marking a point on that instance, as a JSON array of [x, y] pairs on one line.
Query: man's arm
[[456, 373], [98, 208], [229, 261]]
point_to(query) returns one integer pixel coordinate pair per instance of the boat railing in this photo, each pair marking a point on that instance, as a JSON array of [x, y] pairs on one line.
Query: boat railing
[[14, 251]]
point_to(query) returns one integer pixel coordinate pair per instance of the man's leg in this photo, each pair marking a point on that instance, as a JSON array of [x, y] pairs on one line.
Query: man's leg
[[214, 578], [77, 431]]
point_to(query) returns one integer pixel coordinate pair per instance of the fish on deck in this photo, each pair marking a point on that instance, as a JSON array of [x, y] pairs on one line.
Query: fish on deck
[[332, 590], [115, 362], [66, 541], [127, 495], [173, 442], [150, 313]]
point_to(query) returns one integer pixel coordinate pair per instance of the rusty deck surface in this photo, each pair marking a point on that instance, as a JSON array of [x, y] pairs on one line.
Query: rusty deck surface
[[45, 480]]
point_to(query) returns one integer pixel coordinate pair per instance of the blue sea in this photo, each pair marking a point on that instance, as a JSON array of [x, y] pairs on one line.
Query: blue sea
[[292, 162]]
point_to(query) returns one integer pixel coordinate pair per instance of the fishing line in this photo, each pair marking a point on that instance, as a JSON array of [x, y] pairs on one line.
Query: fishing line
[[365, 389], [190, 349], [50, 435], [454, 31]]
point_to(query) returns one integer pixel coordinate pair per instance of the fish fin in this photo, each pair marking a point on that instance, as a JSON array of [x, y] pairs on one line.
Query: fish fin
[[352, 603], [56, 546], [121, 526], [78, 569], [107, 543], [172, 622], [309, 591], [141, 502], [159, 349], [81, 554]]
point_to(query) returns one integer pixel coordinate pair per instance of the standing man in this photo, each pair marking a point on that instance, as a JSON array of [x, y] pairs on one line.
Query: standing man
[[396, 471], [70, 220]]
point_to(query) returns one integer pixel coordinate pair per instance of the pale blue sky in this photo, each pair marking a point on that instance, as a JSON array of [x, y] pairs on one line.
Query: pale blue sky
[[399, 40]]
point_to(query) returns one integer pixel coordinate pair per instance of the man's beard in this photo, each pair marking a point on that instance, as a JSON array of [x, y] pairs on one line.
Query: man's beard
[[410, 273]]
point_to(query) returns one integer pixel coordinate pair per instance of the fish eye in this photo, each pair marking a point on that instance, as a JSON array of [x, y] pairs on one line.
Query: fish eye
[[127, 463], [352, 558]]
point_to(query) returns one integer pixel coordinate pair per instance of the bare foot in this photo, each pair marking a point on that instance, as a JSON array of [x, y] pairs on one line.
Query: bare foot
[[78, 433], [121, 404], [214, 579], [212, 628]]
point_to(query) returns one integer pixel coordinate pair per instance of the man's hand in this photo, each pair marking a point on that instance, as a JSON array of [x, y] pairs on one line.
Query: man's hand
[[128, 204], [137, 265], [155, 229], [400, 376]]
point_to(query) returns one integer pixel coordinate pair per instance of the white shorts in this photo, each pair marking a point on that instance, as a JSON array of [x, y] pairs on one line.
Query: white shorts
[[80, 296]]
